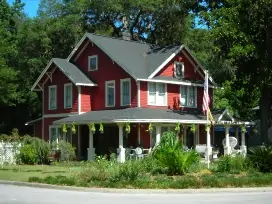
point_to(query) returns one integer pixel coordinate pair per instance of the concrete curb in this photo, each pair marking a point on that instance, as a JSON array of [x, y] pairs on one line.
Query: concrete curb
[[139, 191]]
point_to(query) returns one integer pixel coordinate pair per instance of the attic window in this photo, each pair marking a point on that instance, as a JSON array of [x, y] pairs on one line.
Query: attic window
[[93, 63], [178, 70]]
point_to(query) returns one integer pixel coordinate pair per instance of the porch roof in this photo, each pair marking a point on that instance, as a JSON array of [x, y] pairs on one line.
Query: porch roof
[[136, 115]]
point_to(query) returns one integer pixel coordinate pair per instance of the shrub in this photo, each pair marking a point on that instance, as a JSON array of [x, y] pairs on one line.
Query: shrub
[[27, 154], [261, 158], [66, 149], [170, 154], [235, 164]]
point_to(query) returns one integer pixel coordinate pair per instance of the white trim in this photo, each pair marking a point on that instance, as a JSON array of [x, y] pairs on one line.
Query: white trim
[[84, 47], [60, 115], [33, 121], [77, 46], [143, 121], [121, 91], [96, 60], [183, 68], [188, 87], [234, 123], [82, 84], [79, 99], [138, 94], [166, 96], [106, 93], [174, 82], [64, 95], [228, 114], [165, 62], [49, 94]]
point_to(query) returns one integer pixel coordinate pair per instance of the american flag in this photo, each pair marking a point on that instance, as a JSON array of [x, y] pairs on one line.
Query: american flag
[[206, 98]]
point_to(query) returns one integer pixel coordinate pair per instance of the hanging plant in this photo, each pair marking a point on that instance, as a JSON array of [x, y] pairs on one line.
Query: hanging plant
[[177, 128], [64, 128], [92, 127], [207, 127], [101, 128], [150, 128], [193, 128], [127, 129], [243, 128], [73, 129]]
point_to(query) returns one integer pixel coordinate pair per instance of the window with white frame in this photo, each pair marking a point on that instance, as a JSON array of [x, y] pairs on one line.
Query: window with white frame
[[188, 96], [92, 63], [110, 93], [68, 95], [178, 69], [125, 92], [56, 132], [52, 99], [157, 94]]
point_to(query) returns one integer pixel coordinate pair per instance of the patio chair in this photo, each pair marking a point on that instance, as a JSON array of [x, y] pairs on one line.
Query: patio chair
[[139, 153], [130, 153]]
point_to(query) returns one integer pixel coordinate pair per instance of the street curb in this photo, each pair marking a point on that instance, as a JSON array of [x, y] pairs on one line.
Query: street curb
[[139, 191]]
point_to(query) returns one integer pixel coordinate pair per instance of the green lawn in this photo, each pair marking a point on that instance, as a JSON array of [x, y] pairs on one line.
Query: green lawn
[[23, 172]]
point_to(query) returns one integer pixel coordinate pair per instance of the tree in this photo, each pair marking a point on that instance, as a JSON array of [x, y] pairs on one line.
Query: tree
[[239, 31]]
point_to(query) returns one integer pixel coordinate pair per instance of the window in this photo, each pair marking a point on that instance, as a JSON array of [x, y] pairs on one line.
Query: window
[[93, 63], [110, 93], [52, 97], [125, 92], [68, 94], [157, 94], [188, 96], [178, 69], [56, 132]]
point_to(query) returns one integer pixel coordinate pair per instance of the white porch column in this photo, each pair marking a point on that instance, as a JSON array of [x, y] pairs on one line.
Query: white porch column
[[91, 149], [227, 148], [121, 150], [78, 141], [158, 134], [237, 135], [243, 146]]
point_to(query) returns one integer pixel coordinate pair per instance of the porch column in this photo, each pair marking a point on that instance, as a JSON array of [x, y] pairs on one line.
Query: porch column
[[91, 149], [139, 134], [197, 135], [121, 150], [158, 134], [243, 146], [227, 148], [237, 135], [78, 142]]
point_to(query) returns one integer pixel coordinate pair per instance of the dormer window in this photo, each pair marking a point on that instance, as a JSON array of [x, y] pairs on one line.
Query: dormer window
[[93, 63], [178, 70]]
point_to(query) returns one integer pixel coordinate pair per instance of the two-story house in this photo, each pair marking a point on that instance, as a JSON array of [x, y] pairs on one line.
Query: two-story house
[[118, 83]]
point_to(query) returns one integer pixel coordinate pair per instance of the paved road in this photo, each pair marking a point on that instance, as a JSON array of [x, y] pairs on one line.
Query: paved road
[[28, 195]]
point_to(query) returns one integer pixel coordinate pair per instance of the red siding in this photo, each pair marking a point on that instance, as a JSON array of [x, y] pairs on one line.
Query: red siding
[[189, 70], [203, 135], [145, 136], [107, 70], [59, 79], [38, 129], [85, 99]]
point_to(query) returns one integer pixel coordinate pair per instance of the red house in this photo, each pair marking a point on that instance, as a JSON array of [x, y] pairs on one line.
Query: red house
[[120, 84]]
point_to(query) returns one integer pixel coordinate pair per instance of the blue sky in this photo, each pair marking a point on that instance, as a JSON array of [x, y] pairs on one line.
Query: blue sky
[[31, 6]]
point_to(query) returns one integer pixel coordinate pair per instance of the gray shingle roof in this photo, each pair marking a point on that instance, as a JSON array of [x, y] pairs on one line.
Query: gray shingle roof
[[136, 58], [134, 114], [72, 72]]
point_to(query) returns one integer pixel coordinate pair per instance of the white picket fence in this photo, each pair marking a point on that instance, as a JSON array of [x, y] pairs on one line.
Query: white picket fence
[[8, 152]]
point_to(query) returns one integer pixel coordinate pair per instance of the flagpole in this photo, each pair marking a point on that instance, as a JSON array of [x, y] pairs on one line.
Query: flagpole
[[208, 128]]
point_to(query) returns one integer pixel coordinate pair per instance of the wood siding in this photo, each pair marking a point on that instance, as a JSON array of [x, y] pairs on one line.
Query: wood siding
[[86, 103]]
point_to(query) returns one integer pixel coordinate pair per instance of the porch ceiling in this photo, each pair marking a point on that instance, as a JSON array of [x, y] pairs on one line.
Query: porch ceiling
[[136, 115]]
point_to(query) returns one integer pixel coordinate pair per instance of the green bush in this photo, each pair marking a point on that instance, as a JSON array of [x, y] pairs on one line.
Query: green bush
[[27, 154], [66, 149], [261, 158], [54, 180], [170, 154], [231, 164]]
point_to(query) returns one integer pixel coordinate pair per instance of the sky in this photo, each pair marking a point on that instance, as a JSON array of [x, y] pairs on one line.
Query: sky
[[31, 6]]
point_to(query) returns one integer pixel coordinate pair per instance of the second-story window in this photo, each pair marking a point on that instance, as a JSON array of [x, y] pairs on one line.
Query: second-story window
[[52, 99], [110, 93], [68, 94], [157, 94], [92, 63], [125, 92], [188, 96]]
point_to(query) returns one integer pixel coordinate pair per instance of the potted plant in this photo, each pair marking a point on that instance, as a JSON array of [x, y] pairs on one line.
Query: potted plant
[[64, 128], [207, 127], [243, 128], [92, 127], [73, 128], [127, 127], [177, 128], [193, 128], [101, 128]]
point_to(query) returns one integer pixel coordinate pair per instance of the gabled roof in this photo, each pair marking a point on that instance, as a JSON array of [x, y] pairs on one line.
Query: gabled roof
[[70, 70], [140, 60]]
